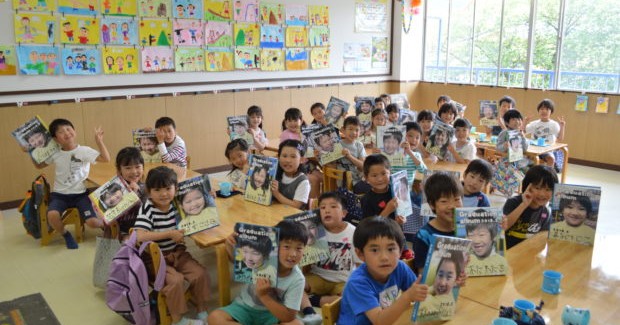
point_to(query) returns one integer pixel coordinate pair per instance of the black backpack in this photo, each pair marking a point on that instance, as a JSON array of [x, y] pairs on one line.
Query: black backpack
[[30, 206]]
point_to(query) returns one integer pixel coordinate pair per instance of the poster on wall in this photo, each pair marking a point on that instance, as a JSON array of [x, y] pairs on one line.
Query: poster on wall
[[356, 57], [219, 60], [296, 59], [247, 58], [120, 60], [319, 58], [38, 60], [82, 61], [189, 59], [272, 60], [154, 8], [379, 52], [34, 5], [155, 32], [318, 15], [318, 36], [246, 34], [218, 10], [271, 36], [187, 32], [271, 13], [156, 59], [296, 36], [218, 33], [296, 15], [371, 16], [191, 9], [82, 30], [8, 60], [31, 28], [78, 7], [245, 11], [118, 31]]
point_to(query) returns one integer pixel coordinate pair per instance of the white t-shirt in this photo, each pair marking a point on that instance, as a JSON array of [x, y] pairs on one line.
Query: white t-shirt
[[342, 258], [467, 151], [302, 193], [72, 169], [548, 130]]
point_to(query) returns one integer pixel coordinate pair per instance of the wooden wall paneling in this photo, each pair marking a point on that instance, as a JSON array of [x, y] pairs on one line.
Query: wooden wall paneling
[[274, 103], [303, 98]]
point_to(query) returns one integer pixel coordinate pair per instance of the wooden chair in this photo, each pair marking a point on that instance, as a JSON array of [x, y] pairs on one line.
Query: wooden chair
[[330, 312], [70, 217], [188, 159], [331, 176]]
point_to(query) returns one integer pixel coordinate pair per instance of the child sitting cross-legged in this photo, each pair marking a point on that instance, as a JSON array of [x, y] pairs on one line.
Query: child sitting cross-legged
[[259, 303], [382, 288]]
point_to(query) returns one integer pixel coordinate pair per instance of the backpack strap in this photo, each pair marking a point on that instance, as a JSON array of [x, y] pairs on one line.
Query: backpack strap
[[161, 272]]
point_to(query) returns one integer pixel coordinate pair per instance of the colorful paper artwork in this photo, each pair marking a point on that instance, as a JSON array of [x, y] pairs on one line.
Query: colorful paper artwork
[[219, 60], [81, 61], [78, 7], [246, 34], [356, 57], [33, 28], [154, 8], [157, 59], [187, 32], [8, 60], [371, 16], [155, 32], [272, 13], [246, 10], [247, 58], [581, 104], [272, 60], [271, 36], [318, 15], [189, 59], [218, 10], [296, 59], [190, 9], [38, 60], [118, 31], [296, 36], [35, 5], [218, 33], [120, 60], [602, 104], [379, 52], [319, 58], [119, 8], [318, 36], [296, 15], [82, 30]]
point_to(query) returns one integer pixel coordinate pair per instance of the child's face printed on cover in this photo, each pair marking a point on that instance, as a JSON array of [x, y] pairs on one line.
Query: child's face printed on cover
[[390, 145], [488, 111], [252, 258], [413, 138], [259, 177], [461, 133], [37, 140], [481, 241], [515, 143], [239, 129], [132, 173], [444, 208], [574, 213], [378, 177], [238, 158], [515, 123], [326, 142], [293, 125], [193, 202], [336, 112], [331, 213], [441, 138], [473, 183], [403, 190], [313, 232], [381, 255], [112, 199], [289, 160], [445, 279], [255, 120], [169, 133], [289, 253], [148, 145]]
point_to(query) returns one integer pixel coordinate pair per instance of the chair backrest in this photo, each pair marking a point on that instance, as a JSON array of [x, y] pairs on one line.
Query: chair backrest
[[331, 176], [330, 312]]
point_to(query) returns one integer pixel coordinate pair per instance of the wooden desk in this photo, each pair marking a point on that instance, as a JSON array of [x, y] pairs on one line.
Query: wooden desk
[[532, 152], [103, 172], [467, 312], [591, 278]]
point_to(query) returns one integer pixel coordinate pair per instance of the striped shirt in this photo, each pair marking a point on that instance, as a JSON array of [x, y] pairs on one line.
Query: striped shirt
[[152, 219], [411, 167], [174, 153]]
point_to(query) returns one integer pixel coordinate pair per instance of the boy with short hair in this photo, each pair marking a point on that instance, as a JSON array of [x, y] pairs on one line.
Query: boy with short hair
[[514, 121], [379, 103], [443, 193], [547, 128], [477, 175], [170, 145], [392, 112], [371, 295], [72, 167], [354, 154], [528, 213], [413, 159], [506, 103], [260, 303], [463, 150]]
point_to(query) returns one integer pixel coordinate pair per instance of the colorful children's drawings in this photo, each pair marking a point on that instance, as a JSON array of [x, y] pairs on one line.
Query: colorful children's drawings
[[245, 10], [318, 36], [188, 32], [318, 15], [296, 59], [118, 31], [272, 13], [38, 60], [272, 60], [219, 60], [271, 37], [8, 60], [247, 58], [81, 61], [154, 8], [80, 30], [296, 36], [78, 7], [218, 10], [296, 15], [319, 58], [119, 8], [218, 33], [356, 57], [379, 52], [191, 9], [157, 59], [35, 28], [246, 34], [120, 60], [155, 32], [189, 59], [35, 5]]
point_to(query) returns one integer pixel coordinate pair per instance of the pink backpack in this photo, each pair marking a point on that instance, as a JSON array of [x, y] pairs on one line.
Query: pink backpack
[[127, 292]]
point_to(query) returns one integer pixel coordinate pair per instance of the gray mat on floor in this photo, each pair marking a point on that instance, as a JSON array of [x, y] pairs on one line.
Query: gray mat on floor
[[27, 310]]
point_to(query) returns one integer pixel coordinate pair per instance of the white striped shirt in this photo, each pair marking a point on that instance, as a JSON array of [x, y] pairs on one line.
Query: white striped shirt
[[152, 219]]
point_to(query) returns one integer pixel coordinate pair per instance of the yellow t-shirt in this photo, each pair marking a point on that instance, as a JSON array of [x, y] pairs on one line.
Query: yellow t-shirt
[[581, 234], [494, 264]]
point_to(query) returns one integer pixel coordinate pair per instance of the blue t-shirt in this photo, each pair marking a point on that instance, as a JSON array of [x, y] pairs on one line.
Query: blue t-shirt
[[476, 200], [422, 241], [362, 293]]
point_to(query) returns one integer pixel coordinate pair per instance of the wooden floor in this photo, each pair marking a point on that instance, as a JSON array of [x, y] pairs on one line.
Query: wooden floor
[[64, 276]]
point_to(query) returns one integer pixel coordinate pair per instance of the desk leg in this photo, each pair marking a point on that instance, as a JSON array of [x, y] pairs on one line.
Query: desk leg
[[223, 274], [565, 165]]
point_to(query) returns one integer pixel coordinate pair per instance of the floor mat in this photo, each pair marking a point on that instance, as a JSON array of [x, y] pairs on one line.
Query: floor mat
[[27, 310]]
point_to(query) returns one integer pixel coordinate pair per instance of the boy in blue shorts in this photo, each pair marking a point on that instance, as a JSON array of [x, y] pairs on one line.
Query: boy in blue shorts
[[259, 303], [371, 296], [72, 167]]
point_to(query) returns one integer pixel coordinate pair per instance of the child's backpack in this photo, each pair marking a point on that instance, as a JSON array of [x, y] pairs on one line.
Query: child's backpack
[[127, 291], [30, 206]]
